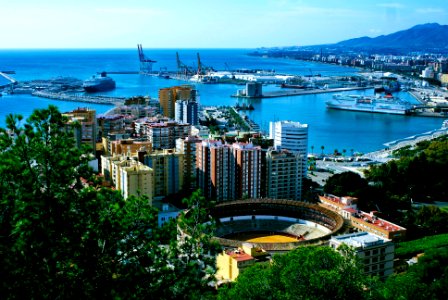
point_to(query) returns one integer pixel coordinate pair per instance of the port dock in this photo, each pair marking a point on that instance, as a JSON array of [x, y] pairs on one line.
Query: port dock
[[80, 98], [300, 92]]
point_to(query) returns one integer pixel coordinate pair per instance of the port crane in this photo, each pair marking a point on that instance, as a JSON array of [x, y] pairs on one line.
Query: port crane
[[183, 69], [145, 63], [202, 69]]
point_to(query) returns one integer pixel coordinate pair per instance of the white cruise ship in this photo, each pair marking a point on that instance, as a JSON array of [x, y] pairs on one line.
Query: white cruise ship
[[385, 105]]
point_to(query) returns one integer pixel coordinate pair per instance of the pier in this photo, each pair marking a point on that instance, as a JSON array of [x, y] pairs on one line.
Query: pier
[[5, 75], [300, 92], [80, 98]]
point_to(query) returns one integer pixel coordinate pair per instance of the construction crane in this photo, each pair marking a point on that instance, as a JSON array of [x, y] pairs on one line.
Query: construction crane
[[145, 63]]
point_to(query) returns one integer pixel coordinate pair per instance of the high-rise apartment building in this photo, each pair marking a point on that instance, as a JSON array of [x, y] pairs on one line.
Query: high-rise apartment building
[[284, 174], [229, 172], [186, 111], [168, 168], [188, 147], [247, 159], [169, 96], [163, 135], [216, 170], [292, 136]]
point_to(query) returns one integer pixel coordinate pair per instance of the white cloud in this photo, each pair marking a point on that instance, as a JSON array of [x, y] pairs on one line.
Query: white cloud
[[430, 10], [391, 5]]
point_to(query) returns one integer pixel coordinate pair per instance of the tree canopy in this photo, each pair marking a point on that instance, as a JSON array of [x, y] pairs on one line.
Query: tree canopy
[[61, 239], [304, 273]]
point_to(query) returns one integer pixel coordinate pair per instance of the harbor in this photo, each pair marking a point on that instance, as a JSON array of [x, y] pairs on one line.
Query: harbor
[[300, 92]]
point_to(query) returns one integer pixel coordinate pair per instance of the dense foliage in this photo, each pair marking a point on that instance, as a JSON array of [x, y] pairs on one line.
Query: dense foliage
[[418, 175], [304, 273], [427, 279], [59, 239], [411, 248]]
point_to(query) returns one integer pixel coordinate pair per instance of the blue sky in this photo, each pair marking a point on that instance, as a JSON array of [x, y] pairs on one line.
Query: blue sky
[[205, 24]]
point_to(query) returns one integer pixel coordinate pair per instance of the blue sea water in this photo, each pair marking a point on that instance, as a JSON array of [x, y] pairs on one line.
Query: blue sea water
[[332, 129]]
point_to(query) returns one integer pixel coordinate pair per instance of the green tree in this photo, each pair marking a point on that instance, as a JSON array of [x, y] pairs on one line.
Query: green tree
[[304, 273], [59, 239], [345, 184]]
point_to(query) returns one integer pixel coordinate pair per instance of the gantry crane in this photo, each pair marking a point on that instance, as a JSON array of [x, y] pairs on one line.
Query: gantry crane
[[145, 63]]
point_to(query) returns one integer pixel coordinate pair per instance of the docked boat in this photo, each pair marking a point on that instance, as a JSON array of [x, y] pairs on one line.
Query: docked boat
[[100, 83], [386, 105]]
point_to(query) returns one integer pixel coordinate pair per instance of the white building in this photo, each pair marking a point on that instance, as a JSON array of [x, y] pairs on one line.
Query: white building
[[375, 253], [186, 111], [292, 136]]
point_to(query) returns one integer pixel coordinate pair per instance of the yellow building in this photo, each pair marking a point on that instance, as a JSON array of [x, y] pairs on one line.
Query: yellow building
[[444, 79], [136, 180], [128, 175], [168, 97], [230, 263]]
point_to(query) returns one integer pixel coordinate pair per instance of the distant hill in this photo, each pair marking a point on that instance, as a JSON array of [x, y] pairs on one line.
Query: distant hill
[[426, 36]]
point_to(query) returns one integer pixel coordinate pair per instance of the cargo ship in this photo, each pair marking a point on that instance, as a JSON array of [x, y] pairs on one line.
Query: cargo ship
[[100, 83], [386, 105]]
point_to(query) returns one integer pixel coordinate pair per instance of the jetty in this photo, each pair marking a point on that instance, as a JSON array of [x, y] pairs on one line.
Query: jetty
[[80, 98], [300, 92]]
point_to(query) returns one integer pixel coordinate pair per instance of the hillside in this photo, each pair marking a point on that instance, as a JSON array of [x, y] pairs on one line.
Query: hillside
[[431, 35]]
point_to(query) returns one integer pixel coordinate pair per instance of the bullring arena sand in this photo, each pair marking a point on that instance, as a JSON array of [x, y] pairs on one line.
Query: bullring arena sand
[[258, 237]]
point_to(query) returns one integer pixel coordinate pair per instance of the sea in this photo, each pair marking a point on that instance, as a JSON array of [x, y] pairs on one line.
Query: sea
[[332, 129]]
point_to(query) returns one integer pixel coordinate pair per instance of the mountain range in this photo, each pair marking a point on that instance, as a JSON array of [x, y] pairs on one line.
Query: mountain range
[[419, 37]]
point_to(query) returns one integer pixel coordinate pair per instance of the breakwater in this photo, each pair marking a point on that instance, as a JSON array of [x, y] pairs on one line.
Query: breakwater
[[80, 98], [300, 92]]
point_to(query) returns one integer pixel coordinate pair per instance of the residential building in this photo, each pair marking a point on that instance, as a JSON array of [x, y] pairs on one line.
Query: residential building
[[129, 147], [247, 159], [168, 170], [166, 212], [374, 252], [128, 175], [292, 136], [110, 124], [169, 96], [216, 172], [284, 174], [163, 135], [186, 111], [231, 262], [136, 180], [86, 134], [188, 148]]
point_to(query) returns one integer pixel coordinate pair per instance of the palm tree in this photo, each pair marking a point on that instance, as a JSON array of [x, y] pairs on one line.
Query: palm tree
[[322, 148], [351, 150], [343, 152], [312, 149]]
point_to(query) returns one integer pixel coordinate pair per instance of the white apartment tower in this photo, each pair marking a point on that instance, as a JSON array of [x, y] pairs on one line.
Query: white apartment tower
[[292, 136]]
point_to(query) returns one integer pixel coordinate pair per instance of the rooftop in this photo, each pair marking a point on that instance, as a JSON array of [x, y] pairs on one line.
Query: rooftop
[[377, 222], [239, 255], [361, 239]]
